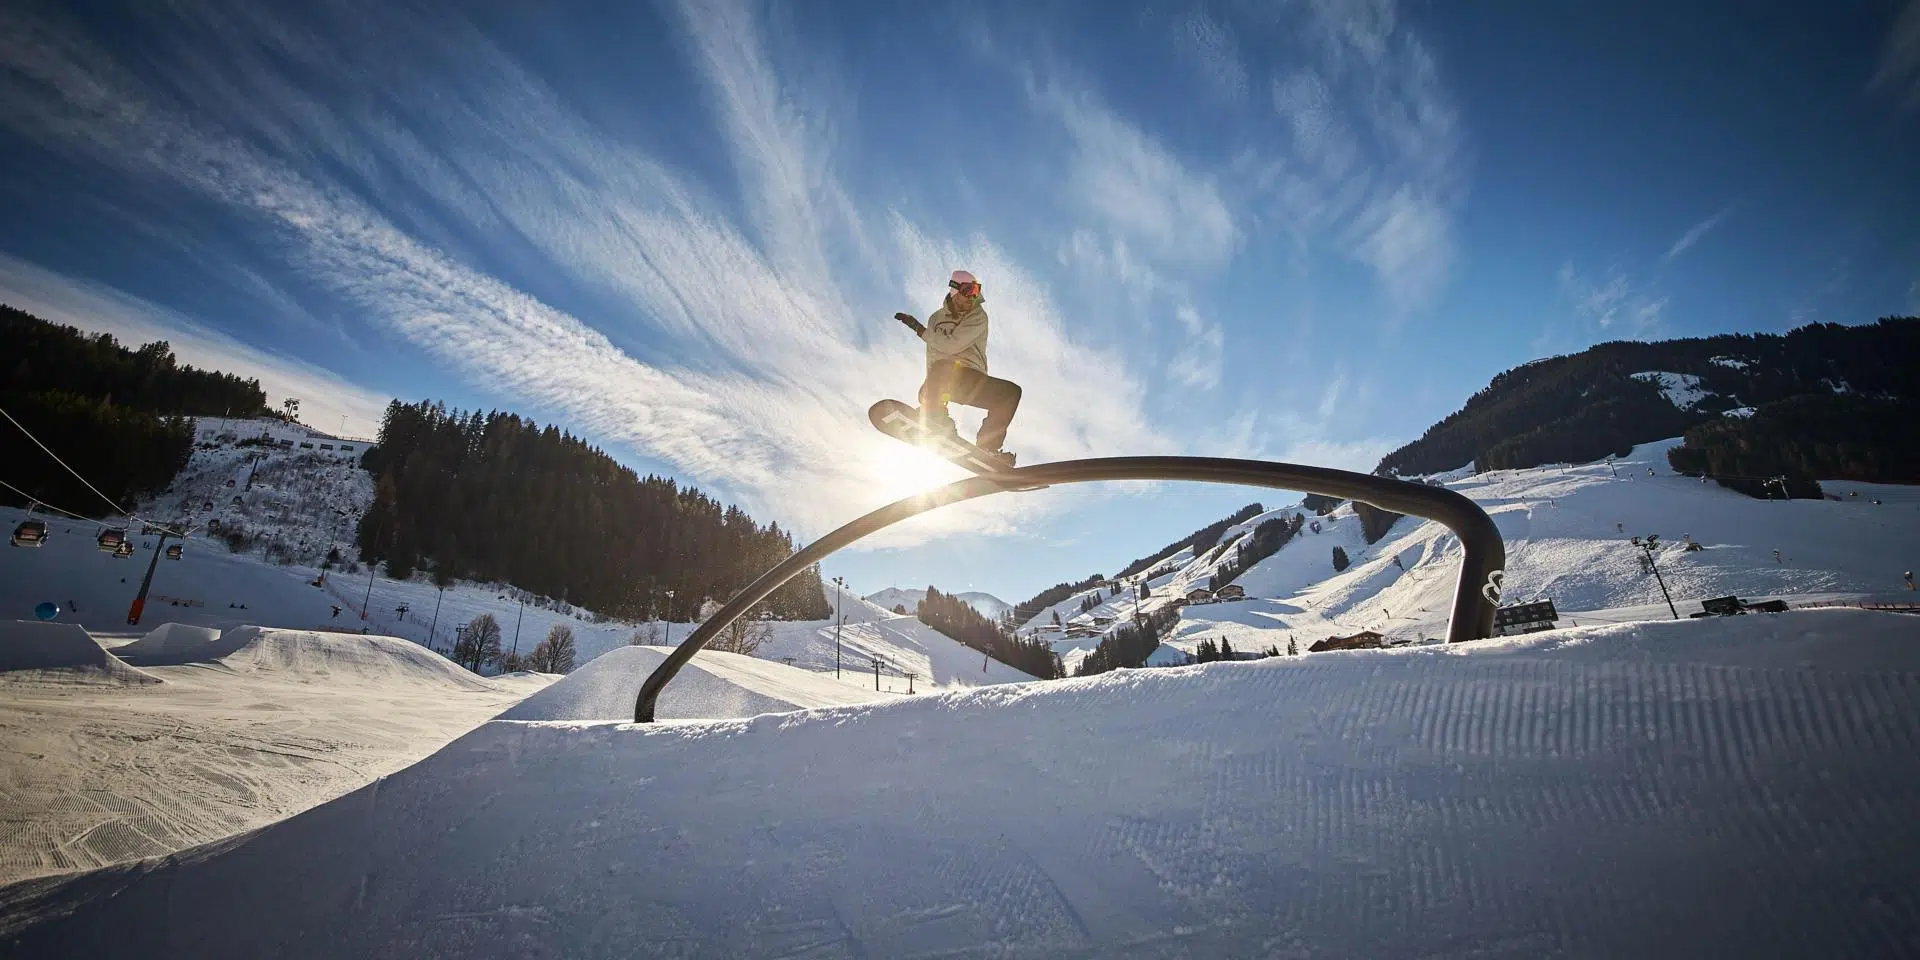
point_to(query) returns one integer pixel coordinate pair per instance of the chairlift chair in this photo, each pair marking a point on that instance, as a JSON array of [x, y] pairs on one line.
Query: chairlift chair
[[124, 550], [111, 538], [30, 533], [173, 551]]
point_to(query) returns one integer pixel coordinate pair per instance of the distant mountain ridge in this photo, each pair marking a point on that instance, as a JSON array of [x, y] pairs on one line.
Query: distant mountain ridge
[[1611, 396], [989, 605]]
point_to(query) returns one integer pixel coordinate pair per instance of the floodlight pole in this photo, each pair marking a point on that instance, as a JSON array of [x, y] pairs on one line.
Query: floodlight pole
[[1646, 546], [840, 589]]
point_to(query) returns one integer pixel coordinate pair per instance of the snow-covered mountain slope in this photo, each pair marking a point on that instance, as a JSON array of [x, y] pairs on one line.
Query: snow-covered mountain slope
[[1562, 794], [224, 733], [262, 485], [1567, 533], [987, 604], [211, 587]]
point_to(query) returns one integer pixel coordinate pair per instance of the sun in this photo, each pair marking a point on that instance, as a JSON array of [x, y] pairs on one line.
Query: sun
[[902, 470]]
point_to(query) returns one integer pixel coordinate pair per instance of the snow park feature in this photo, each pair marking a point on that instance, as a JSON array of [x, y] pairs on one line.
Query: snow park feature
[[1471, 616], [58, 653]]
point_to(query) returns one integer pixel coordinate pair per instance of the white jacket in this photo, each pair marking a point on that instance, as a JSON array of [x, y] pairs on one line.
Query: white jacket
[[961, 339]]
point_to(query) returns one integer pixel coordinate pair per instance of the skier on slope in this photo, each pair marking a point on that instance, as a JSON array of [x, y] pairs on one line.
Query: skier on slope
[[956, 337]]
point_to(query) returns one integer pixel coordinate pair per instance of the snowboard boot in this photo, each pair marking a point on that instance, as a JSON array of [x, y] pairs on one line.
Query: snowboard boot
[[939, 424], [1000, 458]]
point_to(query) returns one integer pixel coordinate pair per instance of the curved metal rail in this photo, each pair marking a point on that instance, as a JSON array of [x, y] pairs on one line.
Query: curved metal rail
[[1474, 597]]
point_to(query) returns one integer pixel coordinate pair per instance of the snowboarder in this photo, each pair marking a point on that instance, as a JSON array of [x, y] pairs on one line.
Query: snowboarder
[[1909, 576], [956, 338]]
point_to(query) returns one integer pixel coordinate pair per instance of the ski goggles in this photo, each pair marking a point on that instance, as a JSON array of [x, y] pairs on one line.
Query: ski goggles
[[970, 288]]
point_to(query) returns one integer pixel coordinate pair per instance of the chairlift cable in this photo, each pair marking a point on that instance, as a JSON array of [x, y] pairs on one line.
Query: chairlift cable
[[56, 459]]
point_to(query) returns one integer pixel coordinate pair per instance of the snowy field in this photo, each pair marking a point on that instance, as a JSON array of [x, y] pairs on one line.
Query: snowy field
[[172, 744], [1727, 787]]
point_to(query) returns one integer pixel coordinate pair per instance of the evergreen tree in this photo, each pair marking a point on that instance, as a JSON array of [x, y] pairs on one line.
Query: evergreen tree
[[1374, 522], [496, 497], [1339, 559], [1585, 406]]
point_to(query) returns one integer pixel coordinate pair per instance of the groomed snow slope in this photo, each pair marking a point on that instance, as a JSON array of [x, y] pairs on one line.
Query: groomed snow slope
[[35, 652], [1567, 533], [1739, 787], [244, 731], [711, 686]]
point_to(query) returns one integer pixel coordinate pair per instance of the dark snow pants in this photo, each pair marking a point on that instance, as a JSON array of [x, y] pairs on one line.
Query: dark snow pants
[[955, 383]]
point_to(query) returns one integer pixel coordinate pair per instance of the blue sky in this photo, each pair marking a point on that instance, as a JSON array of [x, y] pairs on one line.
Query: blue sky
[[1299, 231]]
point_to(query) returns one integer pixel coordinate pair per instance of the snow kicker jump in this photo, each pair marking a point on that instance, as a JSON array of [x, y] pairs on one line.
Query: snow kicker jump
[[1476, 593]]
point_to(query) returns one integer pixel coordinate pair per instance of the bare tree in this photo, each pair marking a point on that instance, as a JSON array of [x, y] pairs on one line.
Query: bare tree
[[555, 654], [646, 636], [478, 643], [745, 634]]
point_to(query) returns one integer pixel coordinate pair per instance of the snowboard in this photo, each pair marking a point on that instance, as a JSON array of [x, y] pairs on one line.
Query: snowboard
[[902, 422]]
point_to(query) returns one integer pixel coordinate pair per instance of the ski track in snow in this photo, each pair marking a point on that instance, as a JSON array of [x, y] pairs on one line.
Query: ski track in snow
[[1737, 788]]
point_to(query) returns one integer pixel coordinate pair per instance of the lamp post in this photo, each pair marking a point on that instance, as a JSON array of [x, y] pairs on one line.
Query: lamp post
[[669, 618], [840, 585], [1647, 545]]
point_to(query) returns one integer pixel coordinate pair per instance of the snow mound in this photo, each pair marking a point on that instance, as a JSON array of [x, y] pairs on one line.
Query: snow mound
[[38, 652], [1505, 799], [314, 656], [712, 686], [178, 640]]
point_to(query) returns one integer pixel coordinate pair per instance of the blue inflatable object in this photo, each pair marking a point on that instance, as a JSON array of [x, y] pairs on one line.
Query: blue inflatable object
[[47, 610]]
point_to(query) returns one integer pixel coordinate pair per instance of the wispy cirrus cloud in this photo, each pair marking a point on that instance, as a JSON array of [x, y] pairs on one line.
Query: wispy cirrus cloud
[[1373, 159], [325, 397], [1197, 364], [1695, 232], [1899, 67], [1614, 304], [1210, 45], [772, 368], [1137, 187]]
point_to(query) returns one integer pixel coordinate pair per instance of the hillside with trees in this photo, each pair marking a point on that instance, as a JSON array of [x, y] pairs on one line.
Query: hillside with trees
[[1838, 437], [497, 497], [1200, 540], [1588, 405], [958, 619], [119, 416]]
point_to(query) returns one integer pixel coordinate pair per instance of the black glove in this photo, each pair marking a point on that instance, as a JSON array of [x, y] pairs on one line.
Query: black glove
[[907, 318]]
